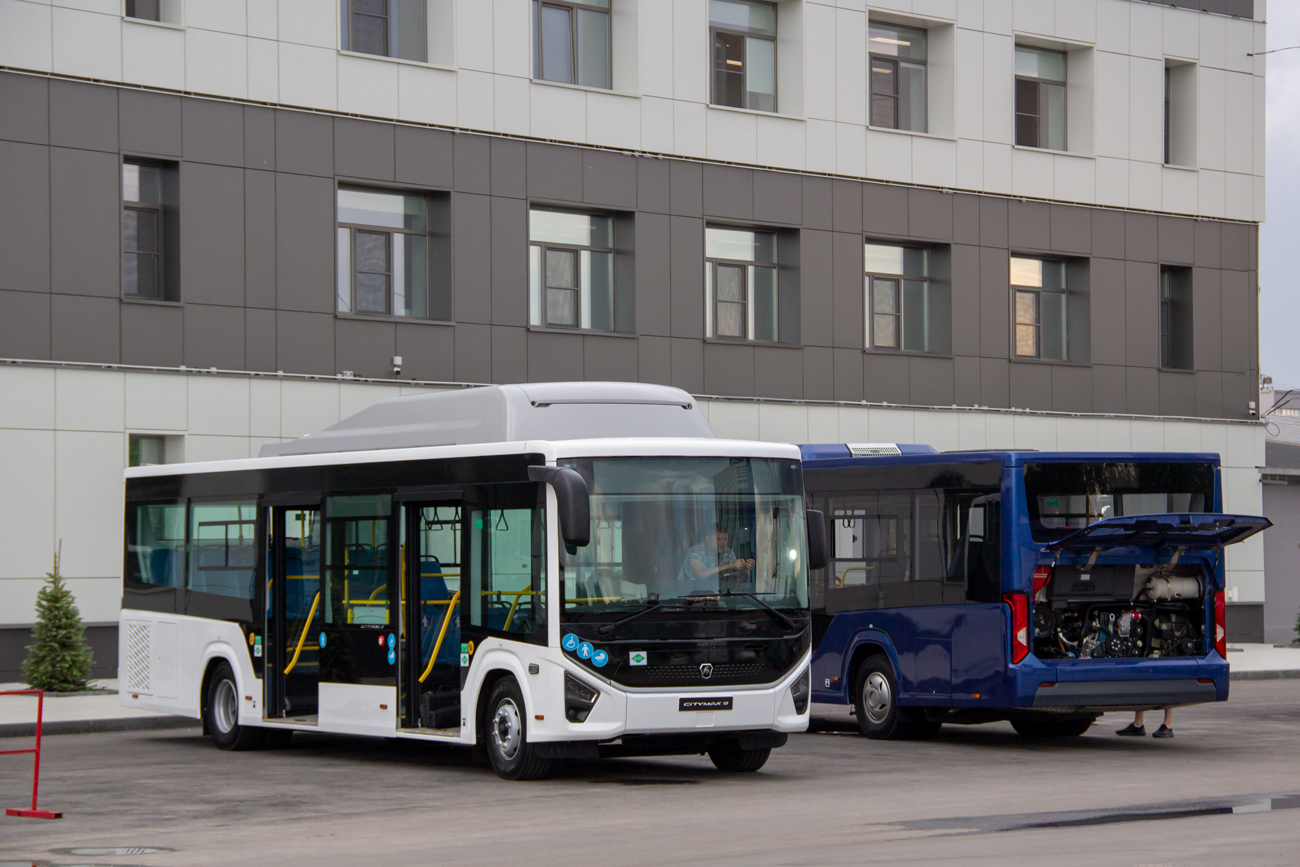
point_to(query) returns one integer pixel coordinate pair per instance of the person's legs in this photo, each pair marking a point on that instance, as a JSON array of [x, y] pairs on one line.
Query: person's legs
[[1166, 729], [1137, 728]]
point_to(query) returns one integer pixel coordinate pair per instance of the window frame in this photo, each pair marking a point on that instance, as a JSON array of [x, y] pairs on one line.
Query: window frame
[[572, 7], [392, 30], [746, 34], [1037, 324], [1041, 83], [389, 231], [874, 57], [711, 264], [869, 297], [1177, 338], [163, 291], [129, 10], [580, 290]]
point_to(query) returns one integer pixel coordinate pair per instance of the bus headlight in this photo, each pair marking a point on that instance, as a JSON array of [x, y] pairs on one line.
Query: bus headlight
[[801, 690], [579, 699]]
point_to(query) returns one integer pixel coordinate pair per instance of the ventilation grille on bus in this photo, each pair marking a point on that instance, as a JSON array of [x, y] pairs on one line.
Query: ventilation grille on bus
[[137, 657], [873, 450], [692, 672]]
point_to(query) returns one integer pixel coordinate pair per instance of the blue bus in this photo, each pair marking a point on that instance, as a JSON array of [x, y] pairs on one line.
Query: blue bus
[[1043, 588]]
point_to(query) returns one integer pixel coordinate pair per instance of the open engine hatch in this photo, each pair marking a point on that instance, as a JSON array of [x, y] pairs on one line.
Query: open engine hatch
[[1186, 530]]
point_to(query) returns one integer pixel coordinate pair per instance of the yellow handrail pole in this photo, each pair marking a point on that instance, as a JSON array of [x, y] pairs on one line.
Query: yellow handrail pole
[[303, 638], [515, 604], [442, 633]]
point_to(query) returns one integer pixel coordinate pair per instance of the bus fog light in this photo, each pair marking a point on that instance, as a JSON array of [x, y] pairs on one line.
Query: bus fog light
[[579, 699], [801, 690]]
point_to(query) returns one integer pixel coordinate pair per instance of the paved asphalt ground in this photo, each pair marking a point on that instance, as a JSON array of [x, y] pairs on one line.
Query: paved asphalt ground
[[829, 797]]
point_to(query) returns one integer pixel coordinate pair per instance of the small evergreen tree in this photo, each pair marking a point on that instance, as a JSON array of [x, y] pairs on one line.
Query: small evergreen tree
[[1296, 640], [59, 660]]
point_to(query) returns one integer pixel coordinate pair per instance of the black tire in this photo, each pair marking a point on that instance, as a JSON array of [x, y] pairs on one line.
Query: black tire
[[728, 756], [875, 700], [505, 735], [221, 713], [1072, 727]]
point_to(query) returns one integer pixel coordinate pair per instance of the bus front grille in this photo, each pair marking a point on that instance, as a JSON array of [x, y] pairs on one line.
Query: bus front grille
[[687, 673]]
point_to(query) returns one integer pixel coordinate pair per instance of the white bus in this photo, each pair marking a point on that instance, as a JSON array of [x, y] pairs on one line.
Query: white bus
[[539, 572]]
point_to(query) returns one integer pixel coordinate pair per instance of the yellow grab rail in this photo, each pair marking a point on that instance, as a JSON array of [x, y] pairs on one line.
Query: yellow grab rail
[[303, 638], [442, 633]]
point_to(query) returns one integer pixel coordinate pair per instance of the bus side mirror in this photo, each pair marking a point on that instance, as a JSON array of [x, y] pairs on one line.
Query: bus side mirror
[[573, 502], [818, 544]]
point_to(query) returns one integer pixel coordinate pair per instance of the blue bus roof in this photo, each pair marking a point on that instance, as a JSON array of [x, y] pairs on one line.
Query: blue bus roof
[[833, 455]]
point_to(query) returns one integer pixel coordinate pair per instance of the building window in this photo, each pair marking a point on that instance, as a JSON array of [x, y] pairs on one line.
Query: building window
[[1176, 318], [898, 298], [144, 450], [570, 270], [1040, 98], [383, 250], [145, 10], [740, 285], [743, 35], [1038, 287], [149, 231], [1180, 114], [897, 77], [572, 42], [388, 28]]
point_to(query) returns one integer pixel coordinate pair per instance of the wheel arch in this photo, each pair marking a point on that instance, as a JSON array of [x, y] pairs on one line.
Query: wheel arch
[[497, 666], [866, 645]]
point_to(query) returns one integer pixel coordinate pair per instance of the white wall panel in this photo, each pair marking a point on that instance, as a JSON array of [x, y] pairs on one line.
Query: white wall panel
[[426, 95], [889, 155], [309, 22], [1111, 133], [1035, 17], [970, 14], [26, 397], [819, 153], [1146, 30], [934, 161], [946, 9], [688, 128], [1146, 109], [264, 408], [474, 35], [1238, 123], [89, 400], [1076, 20], [780, 141], [999, 88], [87, 44], [263, 18], [1214, 41], [306, 407], [228, 16], [215, 448], [27, 508], [218, 405], [1179, 190], [823, 424], [1114, 434], [1144, 190], [1238, 196], [970, 164], [820, 84], [156, 402], [657, 125], [851, 152], [264, 70], [655, 52], [1032, 173], [997, 167], [1074, 179], [972, 431], [850, 67], [613, 120], [88, 502], [1148, 436], [998, 16], [1035, 432], [690, 50], [308, 76], [730, 136], [970, 83], [734, 420], [1211, 111], [368, 86], [1076, 435], [1212, 200], [26, 42], [512, 44], [1113, 25], [216, 63], [1182, 33], [153, 56], [474, 100], [892, 425], [782, 423], [511, 101], [1112, 182]]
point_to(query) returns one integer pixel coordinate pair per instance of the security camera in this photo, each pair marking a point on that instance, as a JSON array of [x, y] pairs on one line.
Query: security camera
[[397, 365], [1250, 409]]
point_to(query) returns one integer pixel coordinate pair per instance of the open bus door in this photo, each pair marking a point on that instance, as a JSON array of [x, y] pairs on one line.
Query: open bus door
[[431, 593], [294, 614]]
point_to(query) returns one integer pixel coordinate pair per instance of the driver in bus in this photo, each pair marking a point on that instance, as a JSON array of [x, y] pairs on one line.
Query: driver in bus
[[712, 559]]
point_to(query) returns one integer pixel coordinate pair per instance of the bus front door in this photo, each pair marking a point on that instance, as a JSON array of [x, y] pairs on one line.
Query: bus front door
[[294, 614], [431, 651]]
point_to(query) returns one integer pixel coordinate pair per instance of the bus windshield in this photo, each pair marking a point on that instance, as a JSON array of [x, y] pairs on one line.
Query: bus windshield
[[689, 531], [1064, 497]]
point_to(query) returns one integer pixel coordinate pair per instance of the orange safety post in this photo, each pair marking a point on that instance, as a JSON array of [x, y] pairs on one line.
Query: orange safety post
[[34, 812]]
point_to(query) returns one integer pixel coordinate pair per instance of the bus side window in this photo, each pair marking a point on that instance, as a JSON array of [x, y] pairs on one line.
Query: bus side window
[[155, 549], [983, 550]]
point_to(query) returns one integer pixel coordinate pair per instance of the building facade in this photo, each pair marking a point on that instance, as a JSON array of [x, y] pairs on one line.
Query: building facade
[[970, 223]]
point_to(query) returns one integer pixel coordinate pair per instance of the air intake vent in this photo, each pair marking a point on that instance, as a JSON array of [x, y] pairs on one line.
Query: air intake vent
[[137, 657], [873, 450]]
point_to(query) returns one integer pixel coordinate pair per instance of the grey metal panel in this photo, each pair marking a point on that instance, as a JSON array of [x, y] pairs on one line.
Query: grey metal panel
[[1031, 384], [1177, 240], [214, 336], [1125, 693], [931, 380], [554, 357], [1109, 388], [473, 353], [1207, 324], [1177, 393], [846, 257], [995, 303], [625, 272], [1209, 247], [1078, 317], [1143, 390], [610, 359], [609, 179], [304, 240], [212, 131], [686, 239], [884, 210], [1029, 226], [848, 374], [728, 192], [1071, 388], [1142, 314], [654, 359], [685, 189], [1141, 238], [473, 163], [816, 295], [965, 219], [471, 237], [1239, 389], [653, 274], [728, 369], [818, 373], [365, 347], [423, 156], [24, 216], [1108, 234], [26, 115], [304, 143], [964, 301], [212, 243], [1209, 393], [778, 372], [85, 222], [652, 185], [511, 161], [847, 207], [1108, 292], [85, 329], [509, 261], [363, 149], [259, 138], [428, 351], [993, 222], [818, 209], [1237, 322], [787, 283], [940, 299], [886, 376], [778, 197], [149, 122], [83, 116], [966, 380], [509, 354], [259, 340], [995, 386], [687, 360], [24, 325], [304, 342], [259, 239], [1236, 246], [1071, 229], [929, 215]]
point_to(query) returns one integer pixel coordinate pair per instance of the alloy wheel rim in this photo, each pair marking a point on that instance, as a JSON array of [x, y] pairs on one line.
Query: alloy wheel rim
[[225, 707], [507, 729], [877, 697]]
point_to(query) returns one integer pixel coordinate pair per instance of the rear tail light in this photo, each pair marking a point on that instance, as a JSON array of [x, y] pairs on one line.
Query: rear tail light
[[1042, 575], [1019, 605], [1220, 626]]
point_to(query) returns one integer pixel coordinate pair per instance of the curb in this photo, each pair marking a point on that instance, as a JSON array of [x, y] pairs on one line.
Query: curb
[[1275, 674], [92, 726]]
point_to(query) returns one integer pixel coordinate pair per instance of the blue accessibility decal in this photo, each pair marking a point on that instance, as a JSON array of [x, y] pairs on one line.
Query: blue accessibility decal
[[391, 640], [585, 650], [392, 656], [599, 658], [322, 639], [570, 642]]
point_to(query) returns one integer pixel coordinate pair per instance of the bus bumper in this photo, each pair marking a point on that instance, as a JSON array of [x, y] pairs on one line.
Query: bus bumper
[[1126, 684]]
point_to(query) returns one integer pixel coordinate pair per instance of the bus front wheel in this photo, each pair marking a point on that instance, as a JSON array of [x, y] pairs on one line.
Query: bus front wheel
[[506, 735], [730, 757], [221, 713]]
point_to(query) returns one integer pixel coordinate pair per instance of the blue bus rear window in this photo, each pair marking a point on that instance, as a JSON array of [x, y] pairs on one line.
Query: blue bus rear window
[[1064, 497]]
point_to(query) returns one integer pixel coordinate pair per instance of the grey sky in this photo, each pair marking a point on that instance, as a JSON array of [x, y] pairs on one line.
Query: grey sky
[[1279, 274]]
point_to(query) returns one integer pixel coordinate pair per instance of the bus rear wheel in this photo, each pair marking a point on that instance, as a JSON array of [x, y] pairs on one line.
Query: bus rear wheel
[[730, 757], [506, 735], [875, 703], [221, 713], [1050, 728]]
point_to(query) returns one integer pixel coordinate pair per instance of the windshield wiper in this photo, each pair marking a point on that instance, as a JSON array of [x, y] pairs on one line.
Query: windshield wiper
[[607, 628], [786, 620]]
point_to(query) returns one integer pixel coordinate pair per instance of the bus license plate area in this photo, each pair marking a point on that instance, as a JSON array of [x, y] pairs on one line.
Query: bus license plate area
[[704, 703]]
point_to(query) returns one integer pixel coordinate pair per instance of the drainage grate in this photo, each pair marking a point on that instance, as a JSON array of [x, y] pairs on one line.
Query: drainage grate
[[114, 850]]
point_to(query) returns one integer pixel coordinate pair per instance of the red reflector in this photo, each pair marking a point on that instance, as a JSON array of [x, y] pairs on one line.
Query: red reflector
[[1042, 575], [1019, 605], [1220, 626], [1204, 680], [1046, 685]]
